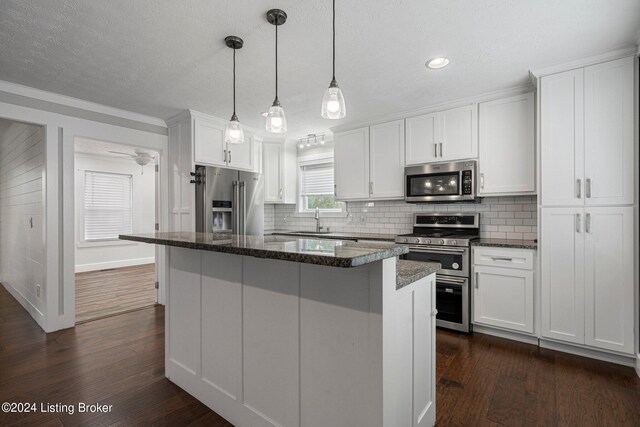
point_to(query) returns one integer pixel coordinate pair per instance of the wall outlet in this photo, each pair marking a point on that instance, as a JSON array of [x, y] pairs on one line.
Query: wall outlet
[[38, 289]]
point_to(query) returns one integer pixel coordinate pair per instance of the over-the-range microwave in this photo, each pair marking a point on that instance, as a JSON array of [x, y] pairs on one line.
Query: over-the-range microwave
[[441, 182]]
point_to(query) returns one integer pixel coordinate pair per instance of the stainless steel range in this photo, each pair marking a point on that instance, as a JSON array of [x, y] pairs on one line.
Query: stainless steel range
[[445, 238]]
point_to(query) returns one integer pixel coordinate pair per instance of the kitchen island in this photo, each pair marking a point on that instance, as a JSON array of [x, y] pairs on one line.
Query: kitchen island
[[289, 331]]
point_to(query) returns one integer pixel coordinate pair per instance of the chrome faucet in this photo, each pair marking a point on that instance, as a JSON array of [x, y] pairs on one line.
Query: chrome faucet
[[317, 217]]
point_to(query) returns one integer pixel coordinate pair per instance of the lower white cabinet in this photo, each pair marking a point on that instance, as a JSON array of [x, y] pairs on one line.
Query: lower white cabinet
[[587, 277], [503, 288]]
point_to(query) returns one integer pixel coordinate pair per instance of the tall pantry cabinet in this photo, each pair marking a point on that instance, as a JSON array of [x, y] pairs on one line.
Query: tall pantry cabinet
[[587, 161]]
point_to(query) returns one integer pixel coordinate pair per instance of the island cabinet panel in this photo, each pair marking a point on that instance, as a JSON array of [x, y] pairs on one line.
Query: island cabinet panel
[[222, 315], [184, 307], [339, 311], [271, 339]]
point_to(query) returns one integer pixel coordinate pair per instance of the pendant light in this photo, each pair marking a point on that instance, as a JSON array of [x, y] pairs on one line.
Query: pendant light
[[333, 106], [276, 121], [234, 134]]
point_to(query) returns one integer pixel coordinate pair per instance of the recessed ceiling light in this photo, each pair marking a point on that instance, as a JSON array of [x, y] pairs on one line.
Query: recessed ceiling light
[[436, 63]]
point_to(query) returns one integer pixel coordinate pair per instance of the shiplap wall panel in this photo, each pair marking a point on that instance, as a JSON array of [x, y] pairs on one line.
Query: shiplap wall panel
[[21, 203]]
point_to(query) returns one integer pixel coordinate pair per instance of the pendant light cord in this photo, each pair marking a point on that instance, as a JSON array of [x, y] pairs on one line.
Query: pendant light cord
[[334, 40], [234, 81], [276, 59]]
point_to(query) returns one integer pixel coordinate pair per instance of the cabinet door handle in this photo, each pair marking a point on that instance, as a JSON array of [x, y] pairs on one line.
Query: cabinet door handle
[[229, 156], [587, 189], [578, 188], [578, 226], [335, 190], [435, 149], [587, 224], [502, 259], [477, 280], [280, 193], [441, 149], [370, 188], [482, 180]]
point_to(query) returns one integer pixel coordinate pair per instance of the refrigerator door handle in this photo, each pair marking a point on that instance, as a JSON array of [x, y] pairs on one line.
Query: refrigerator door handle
[[234, 206], [243, 212]]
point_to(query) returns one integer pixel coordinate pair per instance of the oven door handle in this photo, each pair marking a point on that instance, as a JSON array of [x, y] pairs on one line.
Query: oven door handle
[[437, 250], [451, 280]]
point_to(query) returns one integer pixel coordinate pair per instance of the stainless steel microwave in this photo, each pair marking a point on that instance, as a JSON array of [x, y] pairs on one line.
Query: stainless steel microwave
[[441, 182]]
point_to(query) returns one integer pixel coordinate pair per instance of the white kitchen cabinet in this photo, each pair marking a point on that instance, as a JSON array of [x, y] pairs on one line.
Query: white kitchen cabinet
[[209, 148], [587, 135], [608, 278], [279, 169], [369, 162], [443, 136], [386, 160], [608, 133], [208, 143], [351, 164], [587, 276], [507, 146], [503, 288], [422, 139]]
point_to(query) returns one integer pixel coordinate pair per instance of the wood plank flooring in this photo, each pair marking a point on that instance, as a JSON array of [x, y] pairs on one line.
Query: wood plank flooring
[[105, 293], [481, 380]]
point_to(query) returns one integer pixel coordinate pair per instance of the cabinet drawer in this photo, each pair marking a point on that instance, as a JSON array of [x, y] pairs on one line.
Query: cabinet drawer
[[500, 257]]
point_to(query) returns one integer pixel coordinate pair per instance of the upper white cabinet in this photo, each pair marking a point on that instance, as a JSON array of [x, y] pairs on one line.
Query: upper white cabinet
[[386, 160], [279, 169], [587, 276], [586, 123], [503, 288], [443, 136], [351, 164], [507, 146], [369, 162]]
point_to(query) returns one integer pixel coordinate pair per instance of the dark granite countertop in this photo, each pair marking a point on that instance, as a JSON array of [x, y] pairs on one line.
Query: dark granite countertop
[[334, 253], [408, 272], [506, 243], [336, 235]]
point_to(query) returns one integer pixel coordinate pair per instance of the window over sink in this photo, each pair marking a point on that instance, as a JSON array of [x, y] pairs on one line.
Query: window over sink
[[317, 187]]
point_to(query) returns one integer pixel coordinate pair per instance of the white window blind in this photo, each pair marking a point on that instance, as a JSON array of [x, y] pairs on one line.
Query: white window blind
[[107, 205], [317, 179]]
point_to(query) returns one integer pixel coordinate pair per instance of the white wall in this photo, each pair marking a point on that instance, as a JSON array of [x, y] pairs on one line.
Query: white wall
[[92, 256], [21, 214]]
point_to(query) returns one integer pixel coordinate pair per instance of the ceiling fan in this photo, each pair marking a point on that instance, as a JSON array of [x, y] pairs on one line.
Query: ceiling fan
[[141, 157]]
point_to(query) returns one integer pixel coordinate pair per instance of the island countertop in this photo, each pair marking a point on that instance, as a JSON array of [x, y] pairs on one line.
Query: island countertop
[[333, 253]]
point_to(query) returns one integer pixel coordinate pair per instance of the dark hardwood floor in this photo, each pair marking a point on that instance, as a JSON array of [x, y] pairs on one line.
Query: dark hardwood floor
[[105, 293], [119, 361]]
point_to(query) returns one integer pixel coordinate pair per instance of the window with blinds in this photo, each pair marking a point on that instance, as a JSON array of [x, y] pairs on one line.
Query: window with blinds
[[316, 187], [107, 205]]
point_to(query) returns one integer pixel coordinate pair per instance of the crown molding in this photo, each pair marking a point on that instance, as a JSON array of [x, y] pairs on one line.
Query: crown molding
[[184, 115], [584, 62], [483, 97], [55, 98]]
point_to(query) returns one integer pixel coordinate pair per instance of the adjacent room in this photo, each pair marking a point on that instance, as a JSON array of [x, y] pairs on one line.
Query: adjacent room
[[115, 193]]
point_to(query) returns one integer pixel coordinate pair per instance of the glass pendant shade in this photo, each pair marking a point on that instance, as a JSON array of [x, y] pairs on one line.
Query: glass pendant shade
[[333, 106], [234, 133], [276, 120]]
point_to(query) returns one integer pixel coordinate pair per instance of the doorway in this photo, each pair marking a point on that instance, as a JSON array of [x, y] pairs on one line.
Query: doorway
[[116, 192]]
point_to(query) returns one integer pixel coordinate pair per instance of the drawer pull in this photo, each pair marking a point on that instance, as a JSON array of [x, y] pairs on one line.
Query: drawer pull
[[502, 259]]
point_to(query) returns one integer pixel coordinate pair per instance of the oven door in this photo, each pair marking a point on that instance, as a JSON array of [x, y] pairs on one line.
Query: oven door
[[452, 303], [454, 261]]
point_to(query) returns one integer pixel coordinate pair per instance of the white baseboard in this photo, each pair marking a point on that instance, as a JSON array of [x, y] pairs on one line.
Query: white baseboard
[[81, 268], [515, 336], [37, 315], [593, 354], [638, 365]]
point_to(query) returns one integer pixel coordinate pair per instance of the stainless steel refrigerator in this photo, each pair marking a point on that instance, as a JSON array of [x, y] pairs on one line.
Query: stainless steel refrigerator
[[229, 201]]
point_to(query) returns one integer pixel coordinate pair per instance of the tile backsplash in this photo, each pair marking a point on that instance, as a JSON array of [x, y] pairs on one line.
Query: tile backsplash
[[500, 217]]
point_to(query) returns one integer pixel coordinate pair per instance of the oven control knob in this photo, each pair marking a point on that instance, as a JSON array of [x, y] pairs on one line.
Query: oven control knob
[[441, 242], [415, 240], [428, 241], [454, 242], [403, 240]]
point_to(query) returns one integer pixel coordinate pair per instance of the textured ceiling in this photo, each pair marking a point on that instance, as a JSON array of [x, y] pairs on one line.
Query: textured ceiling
[[159, 57]]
